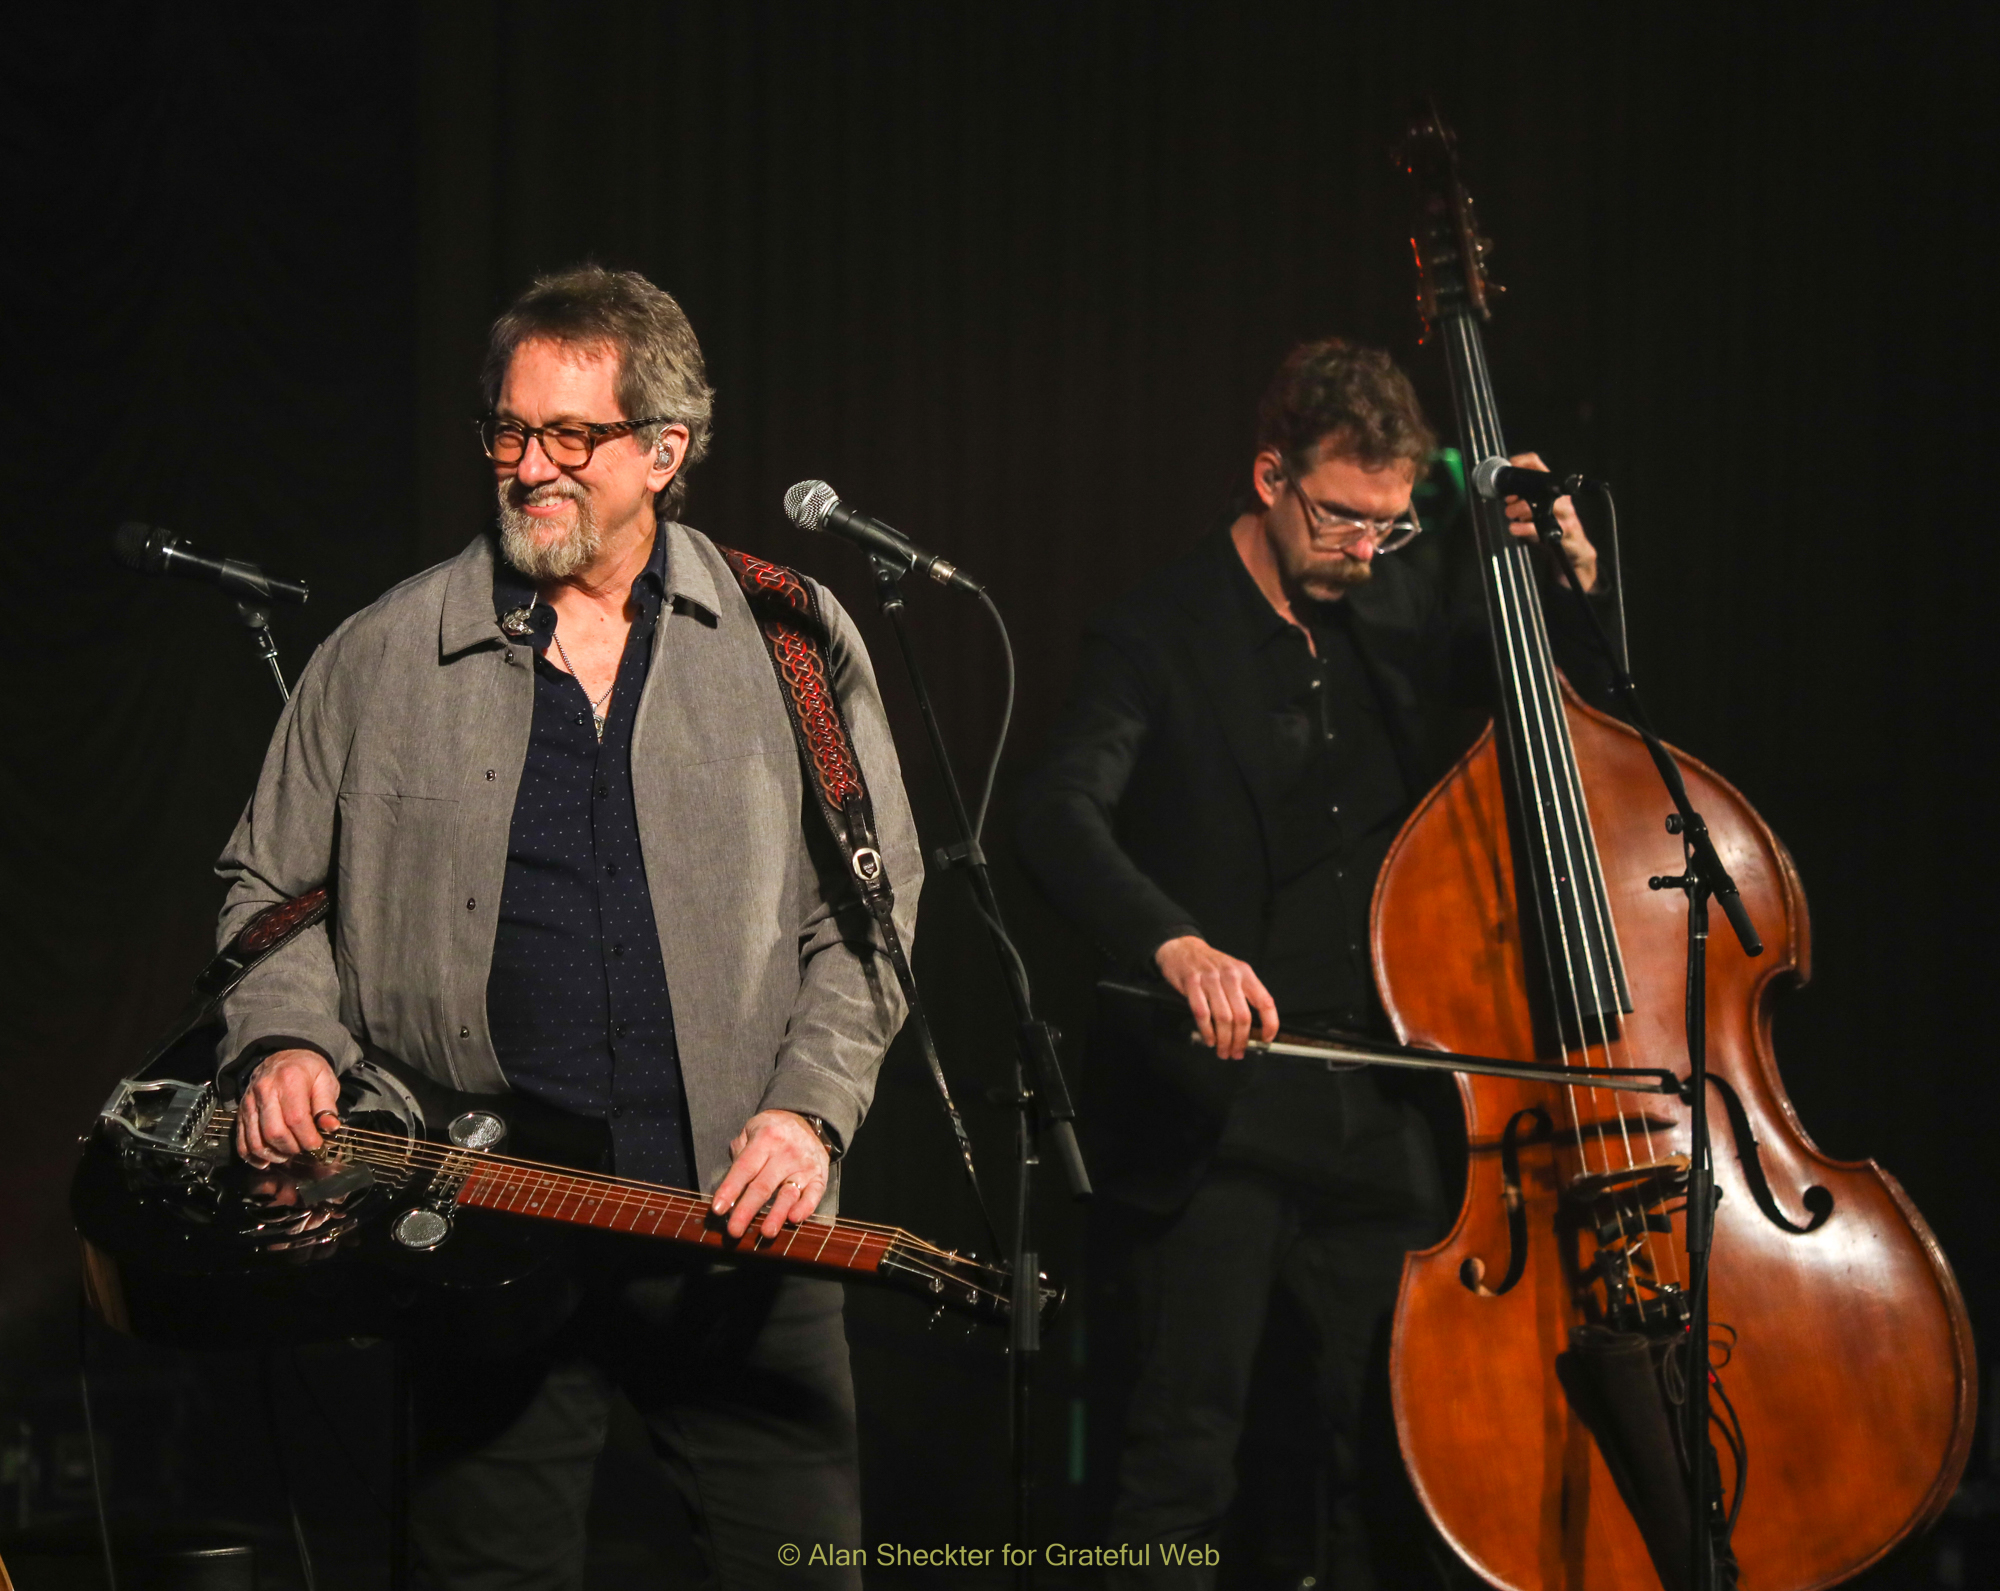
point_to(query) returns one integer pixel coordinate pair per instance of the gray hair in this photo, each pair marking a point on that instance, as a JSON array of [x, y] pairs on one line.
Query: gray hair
[[660, 370]]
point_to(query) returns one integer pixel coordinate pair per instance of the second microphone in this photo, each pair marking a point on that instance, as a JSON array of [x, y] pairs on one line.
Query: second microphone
[[814, 505]]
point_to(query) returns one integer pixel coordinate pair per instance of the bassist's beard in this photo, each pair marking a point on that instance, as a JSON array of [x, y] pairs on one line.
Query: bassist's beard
[[1324, 579]]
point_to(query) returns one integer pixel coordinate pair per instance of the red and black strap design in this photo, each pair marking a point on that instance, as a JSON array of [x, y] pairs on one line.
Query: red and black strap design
[[787, 611], [795, 634]]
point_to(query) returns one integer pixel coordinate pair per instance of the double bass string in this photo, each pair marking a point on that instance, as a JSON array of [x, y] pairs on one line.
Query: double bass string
[[1602, 971], [1578, 847], [1551, 770], [1502, 599]]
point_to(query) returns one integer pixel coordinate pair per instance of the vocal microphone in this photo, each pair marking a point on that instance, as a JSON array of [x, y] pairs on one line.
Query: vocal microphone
[[1495, 479], [814, 505], [154, 551]]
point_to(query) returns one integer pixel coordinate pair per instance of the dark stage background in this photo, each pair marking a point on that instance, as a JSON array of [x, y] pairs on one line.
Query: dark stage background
[[1011, 278]]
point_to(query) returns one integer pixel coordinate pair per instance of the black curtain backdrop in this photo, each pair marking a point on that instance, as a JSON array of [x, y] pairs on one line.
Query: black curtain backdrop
[[1012, 279]]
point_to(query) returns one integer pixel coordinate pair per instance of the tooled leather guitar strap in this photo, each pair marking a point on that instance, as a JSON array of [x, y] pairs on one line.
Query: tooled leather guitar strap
[[788, 615]]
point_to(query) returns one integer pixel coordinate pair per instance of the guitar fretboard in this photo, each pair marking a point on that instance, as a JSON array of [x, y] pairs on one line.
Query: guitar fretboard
[[659, 1212]]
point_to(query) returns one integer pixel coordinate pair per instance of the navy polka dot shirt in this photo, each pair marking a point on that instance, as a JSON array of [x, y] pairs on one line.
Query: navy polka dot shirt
[[577, 997]]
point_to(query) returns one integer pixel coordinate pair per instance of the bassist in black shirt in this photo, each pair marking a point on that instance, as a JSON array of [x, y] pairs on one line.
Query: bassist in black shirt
[[1248, 731]]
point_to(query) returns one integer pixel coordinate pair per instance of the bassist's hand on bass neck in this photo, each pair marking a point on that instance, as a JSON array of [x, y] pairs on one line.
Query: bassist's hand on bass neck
[[1521, 521]]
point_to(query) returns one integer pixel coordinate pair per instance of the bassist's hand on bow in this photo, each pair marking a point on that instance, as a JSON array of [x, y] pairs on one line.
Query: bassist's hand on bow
[[1221, 992], [1521, 521], [281, 1110], [776, 1158]]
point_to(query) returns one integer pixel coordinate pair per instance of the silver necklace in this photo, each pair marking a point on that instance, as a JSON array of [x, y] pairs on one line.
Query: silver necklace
[[596, 707]]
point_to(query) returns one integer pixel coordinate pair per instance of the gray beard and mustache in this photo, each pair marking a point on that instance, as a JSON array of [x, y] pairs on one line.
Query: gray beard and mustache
[[528, 544]]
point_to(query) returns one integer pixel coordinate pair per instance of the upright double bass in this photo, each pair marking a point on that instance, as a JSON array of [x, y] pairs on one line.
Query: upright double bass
[[1513, 918]]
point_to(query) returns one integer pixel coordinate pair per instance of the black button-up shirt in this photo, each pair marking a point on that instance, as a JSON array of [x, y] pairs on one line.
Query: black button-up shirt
[[577, 997], [1338, 799]]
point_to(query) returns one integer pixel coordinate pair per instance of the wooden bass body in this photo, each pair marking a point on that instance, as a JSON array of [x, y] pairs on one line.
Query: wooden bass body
[[1849, 1354]]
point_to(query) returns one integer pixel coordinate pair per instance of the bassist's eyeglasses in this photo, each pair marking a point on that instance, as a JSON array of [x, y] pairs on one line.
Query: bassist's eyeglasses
[[1343, 530]]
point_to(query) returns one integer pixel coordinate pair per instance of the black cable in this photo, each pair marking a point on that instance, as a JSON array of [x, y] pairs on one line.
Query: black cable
[[1739, 1447], [1603, 495], [1006, 942], [90, 1438], [1006, 722], [285, 1472]]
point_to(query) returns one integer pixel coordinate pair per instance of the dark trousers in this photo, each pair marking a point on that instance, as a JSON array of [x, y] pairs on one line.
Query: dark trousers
[[1200, 1284], [741, 1378]]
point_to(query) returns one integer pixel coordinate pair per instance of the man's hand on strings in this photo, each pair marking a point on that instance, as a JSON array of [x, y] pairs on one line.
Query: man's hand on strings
[[1222, 994], [289, 1102], [1521, 521], [777, 1159]]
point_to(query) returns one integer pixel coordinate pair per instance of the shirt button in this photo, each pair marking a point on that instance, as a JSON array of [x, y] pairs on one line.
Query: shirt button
[[617, 1111], [1315, 685], [618, 1030], [603, 789], [610, 869], [471, 904], [465, 1033], [619, 948], [489, 774], [1335, 809]]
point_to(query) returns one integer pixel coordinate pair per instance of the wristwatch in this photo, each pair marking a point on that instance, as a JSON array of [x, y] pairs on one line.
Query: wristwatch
[[828, 1138]]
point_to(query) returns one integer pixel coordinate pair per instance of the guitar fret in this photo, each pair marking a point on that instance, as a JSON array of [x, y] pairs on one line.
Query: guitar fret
[[585, 1200]]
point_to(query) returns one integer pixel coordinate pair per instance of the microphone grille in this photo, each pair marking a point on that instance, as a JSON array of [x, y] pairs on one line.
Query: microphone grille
[[808, 503], [1486, 477], [132, 545]]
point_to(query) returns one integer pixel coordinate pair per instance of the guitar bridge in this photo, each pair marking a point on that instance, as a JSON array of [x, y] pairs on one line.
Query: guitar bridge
[[166, 1117]]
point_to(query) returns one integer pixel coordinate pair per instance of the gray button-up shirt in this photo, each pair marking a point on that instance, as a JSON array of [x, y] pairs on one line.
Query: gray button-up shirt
[[392, 776]]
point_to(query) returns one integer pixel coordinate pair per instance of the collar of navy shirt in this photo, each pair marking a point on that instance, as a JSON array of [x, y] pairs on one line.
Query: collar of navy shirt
[[473, 599]]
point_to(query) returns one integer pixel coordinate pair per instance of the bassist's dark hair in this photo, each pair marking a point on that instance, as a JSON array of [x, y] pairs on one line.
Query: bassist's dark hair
[[1351, 399]]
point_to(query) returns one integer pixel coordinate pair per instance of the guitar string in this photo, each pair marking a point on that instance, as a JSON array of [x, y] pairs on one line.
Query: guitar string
[[391, 1152], [435, 1154], [898, 1249]]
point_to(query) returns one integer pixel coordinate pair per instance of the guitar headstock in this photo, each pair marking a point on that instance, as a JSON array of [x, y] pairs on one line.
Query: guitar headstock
[[961, 1283], [1451, 253]]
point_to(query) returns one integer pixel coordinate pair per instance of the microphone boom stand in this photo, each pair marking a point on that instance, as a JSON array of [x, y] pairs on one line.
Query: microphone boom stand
[[256, 618], [1040, 1096], [1704, 878]]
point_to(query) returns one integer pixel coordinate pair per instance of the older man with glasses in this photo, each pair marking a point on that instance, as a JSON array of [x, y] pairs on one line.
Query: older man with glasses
[[1248, 730], [554, 787]]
